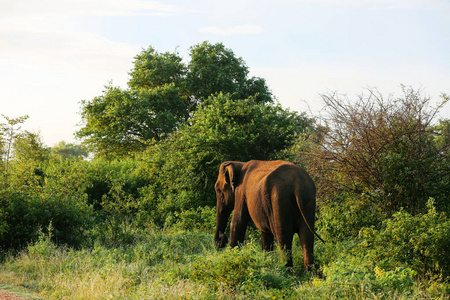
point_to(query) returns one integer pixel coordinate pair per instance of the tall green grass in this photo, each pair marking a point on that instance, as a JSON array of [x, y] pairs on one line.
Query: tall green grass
[[185, 265]]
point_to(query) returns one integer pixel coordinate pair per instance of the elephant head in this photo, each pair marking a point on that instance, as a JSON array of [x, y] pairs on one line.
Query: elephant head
[[226, 184]]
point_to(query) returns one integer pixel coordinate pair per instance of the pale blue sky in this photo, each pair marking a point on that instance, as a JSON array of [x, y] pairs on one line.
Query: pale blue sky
[[54, 53]]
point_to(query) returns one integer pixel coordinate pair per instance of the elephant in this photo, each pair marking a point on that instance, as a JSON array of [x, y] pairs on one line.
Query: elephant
[[278, 196]]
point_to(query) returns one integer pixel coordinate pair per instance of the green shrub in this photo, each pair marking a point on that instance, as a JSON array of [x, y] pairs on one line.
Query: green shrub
[[350, 277], [115, 186], [53, 195], [203, 218], [43, 247], [26, 213], [344, 215], [420, 242], [246, 270]]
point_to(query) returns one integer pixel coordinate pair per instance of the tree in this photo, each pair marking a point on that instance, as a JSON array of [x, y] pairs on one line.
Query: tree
[[387, 147], [8, 133], [28, 146], [184, 167], [66, 150], [152, 70], [214, 69], [123, 122], [163, 93]]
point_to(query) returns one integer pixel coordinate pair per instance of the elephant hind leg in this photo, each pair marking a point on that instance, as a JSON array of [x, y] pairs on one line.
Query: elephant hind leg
[[307, 242], [285, 243], [267, 241]]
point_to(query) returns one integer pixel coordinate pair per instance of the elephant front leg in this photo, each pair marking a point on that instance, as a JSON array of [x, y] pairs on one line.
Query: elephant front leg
[[238, 227]]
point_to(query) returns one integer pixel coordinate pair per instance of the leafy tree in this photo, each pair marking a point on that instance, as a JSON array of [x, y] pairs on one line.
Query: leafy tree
[[163, 92], [8, 133], [183, 169], [214, 69], [152, 70], [123, 122], [28, 146], [30, 157], [66, 150]]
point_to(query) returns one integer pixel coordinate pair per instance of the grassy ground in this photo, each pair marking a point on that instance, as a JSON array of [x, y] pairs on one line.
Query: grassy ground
[[185, 265]]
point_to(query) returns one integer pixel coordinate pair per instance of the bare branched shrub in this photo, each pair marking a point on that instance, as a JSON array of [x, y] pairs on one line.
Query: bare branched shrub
[[386, 146]]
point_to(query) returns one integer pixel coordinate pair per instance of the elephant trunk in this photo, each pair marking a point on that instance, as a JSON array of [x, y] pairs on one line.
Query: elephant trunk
[[220, 238]]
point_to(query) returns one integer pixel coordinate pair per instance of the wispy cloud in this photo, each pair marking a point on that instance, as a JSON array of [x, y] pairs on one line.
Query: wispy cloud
[[233, 30], [392, 4], [88, 7], [45, 33]]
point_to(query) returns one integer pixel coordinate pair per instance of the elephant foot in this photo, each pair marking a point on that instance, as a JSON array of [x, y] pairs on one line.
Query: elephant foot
[[222, 241]]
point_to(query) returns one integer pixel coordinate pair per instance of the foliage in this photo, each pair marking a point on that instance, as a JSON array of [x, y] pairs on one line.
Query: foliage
[[28, 146], [352, 277], [183, 169], [64, 150], [343, 216], [162, 94], [152, 70], [41, 191], [203, 218], [420, 242], [388, 147], [179, 264], [8, 134], [36, 200], [215, 69], [123, 122]]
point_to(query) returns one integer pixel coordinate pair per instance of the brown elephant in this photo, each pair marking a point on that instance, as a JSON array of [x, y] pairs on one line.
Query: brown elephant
[[278, 196]]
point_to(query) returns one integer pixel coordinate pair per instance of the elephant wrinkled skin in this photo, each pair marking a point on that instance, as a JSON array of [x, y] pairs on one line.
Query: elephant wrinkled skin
[[278, 196]]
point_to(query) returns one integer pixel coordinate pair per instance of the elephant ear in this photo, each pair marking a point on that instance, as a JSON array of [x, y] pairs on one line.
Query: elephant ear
[[230, 174]]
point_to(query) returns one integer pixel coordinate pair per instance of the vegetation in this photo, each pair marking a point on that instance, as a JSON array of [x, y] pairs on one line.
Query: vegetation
[[162, 94], [135, 218], [389, 146]]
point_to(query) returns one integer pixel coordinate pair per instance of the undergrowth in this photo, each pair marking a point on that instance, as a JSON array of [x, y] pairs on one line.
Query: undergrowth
[[185, 265]]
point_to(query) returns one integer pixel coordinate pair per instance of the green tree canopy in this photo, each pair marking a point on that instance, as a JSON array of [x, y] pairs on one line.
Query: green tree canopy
[[163, 92], [214, 69], [184, 167], [123, 122], [28, 146], [66, 150], [152, 69]]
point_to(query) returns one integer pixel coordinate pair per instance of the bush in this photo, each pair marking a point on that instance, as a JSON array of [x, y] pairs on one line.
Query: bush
[[344, 215], [352, 277], [54, 195], [420, 242], [25, 214], [200, 218], [246, 270], [388, 146]]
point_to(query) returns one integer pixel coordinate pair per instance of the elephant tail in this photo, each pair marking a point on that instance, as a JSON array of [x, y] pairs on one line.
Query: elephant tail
[[306, 221]]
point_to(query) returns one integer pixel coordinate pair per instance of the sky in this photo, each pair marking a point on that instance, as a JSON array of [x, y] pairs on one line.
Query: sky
[[56, 53]]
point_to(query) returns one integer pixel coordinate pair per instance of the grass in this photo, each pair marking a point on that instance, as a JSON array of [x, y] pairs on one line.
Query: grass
[[185, 265]]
